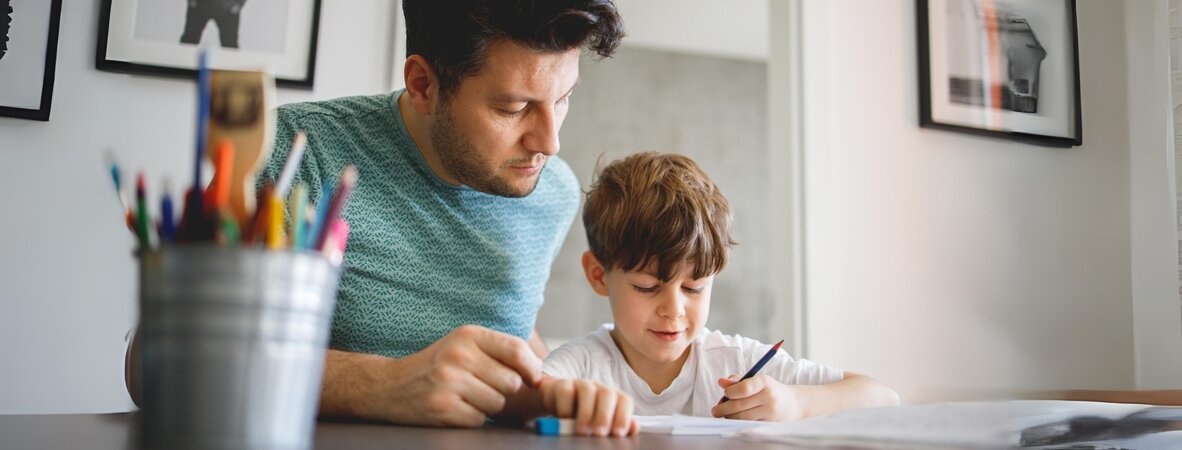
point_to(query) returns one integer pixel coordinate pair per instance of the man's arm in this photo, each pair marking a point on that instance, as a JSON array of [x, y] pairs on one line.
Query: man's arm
[[458, 381]]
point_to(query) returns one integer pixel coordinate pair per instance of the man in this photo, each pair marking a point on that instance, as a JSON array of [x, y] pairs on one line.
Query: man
[[461, 207]]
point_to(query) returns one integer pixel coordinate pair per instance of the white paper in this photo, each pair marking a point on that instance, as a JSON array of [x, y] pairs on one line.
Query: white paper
[[944, 425], [680, 425]]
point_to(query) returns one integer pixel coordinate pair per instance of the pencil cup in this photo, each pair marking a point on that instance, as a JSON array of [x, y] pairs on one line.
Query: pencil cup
[[233, 343]]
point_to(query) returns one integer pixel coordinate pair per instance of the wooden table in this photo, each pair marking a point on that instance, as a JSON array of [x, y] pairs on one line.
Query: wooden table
[[117, 432]]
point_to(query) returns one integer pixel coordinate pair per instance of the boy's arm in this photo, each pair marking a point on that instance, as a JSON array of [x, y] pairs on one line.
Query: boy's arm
[[853, 391], [763, 398]]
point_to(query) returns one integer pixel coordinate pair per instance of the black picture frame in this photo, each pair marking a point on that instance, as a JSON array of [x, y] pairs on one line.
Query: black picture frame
[[1036, 96], [27, 101], [122, 49]]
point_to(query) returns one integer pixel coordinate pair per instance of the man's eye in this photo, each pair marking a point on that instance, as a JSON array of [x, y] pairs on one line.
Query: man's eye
[[511, 113], [645, 289]]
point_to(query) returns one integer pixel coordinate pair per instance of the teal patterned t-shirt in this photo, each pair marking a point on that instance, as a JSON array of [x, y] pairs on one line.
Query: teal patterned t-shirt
[[423, 256]]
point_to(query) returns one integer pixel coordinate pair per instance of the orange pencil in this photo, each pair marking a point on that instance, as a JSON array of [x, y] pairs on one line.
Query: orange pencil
[[217, 195]]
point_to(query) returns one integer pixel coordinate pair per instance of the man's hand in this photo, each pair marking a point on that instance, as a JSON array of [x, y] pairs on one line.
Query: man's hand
[[760, 398], [457, 381], [598, 410]]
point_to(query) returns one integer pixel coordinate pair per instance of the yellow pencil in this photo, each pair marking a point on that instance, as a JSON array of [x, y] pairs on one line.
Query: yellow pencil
[[276, 238]]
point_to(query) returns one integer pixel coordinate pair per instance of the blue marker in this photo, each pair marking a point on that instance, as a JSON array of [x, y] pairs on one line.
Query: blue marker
[[321, 215], [553, 426]]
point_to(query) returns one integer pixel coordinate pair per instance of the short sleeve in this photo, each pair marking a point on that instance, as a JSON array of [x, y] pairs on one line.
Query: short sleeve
[[788, 370], [571, 360]]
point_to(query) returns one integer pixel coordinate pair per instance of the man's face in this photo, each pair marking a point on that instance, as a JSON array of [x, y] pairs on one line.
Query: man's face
[[497, 129]]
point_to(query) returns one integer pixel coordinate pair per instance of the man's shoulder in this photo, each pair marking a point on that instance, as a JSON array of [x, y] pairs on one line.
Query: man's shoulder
[[346, 108]]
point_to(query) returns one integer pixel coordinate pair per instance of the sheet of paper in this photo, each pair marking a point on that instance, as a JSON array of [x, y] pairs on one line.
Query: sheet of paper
[[681, 425], [957, 425]]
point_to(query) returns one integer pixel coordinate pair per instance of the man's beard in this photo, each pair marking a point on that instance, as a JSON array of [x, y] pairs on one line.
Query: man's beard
[[461, 159]]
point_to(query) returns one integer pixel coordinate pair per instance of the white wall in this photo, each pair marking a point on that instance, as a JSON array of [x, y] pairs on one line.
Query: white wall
[[731, 28], [67, 278], [1156, 307], [953, 266]]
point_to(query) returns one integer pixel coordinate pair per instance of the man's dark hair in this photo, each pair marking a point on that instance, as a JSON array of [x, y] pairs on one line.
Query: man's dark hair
[[454, 35]]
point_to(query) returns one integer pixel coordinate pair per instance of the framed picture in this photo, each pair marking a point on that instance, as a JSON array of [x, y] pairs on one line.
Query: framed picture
[[28, 56], [1004, 68], [163, 37]]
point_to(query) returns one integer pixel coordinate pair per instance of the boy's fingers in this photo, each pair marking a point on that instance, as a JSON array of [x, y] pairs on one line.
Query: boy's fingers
[[585, 406], [761, 412], [605, 409], [734, 406], [623, 421], [564, 398], [745, 388]]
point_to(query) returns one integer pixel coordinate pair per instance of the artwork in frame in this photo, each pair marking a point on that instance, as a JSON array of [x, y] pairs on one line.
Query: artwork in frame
[[1001, 68], [164, 37], [28, 56]]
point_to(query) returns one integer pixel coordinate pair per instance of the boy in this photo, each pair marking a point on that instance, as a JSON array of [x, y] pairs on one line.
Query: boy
[[659, 230]]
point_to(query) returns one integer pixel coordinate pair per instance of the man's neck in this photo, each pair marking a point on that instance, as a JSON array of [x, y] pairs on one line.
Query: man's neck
[[420, 133], [657, 375]]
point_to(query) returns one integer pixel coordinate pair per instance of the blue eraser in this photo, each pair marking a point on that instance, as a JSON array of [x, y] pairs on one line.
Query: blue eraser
[[553, 426]]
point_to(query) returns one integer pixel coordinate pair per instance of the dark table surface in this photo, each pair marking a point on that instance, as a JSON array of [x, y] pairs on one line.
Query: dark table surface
[[117, 432]]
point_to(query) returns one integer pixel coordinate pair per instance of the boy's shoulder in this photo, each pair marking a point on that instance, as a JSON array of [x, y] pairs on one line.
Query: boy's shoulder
[[715, 344], [594, 344]]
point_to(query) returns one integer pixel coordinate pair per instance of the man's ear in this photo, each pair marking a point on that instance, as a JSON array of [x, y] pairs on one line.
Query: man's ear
[[422, 83], [595, 273]]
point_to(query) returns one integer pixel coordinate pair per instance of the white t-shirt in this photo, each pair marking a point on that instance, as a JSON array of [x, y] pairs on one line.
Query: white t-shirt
[[695, 391]]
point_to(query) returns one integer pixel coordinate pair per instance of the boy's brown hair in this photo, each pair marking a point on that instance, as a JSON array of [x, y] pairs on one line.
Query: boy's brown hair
[[657, 207]]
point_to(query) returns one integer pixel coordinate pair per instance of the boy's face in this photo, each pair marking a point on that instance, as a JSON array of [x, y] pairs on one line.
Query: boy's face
[[655, 320]]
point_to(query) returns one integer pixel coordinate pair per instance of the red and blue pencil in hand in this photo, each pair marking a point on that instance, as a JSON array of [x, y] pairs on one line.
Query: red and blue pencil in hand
[[759, 365]]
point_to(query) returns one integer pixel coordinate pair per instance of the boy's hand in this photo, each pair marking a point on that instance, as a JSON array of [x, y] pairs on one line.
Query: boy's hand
[[598, 410], [759, 398]]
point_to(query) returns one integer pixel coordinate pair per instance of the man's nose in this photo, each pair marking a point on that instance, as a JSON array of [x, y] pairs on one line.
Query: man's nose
[[542, 135]]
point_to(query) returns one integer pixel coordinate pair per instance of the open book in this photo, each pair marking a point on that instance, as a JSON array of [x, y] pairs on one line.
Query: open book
[[1037, 424]]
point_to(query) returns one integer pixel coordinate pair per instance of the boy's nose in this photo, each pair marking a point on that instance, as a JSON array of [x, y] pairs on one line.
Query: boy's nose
[[672, 306]]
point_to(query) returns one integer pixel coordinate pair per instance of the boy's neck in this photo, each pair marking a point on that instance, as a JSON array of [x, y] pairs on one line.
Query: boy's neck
[[658, 375]]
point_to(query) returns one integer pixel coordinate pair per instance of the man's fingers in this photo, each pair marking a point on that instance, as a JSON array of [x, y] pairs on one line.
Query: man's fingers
[[494, 374], [509, 350], [481, 396], [448, 409]]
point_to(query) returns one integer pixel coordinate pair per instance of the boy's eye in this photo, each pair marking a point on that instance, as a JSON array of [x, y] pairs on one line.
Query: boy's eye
[[693, 290], [645, 289]]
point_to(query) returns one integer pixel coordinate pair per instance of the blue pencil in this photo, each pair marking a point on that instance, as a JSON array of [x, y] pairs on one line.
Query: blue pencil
[[759, 365]]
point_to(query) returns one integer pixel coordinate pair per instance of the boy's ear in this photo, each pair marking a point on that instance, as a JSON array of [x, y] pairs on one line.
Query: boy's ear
[[595, 273], [422, 83]]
